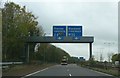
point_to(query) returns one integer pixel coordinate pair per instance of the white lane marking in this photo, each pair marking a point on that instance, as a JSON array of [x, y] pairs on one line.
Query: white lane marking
[[102, 73], [70, 75], [34, 73]]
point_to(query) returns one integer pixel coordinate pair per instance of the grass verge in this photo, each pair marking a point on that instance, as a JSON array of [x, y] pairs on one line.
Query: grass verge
[[22, 70], [113, 72], [110, 71]]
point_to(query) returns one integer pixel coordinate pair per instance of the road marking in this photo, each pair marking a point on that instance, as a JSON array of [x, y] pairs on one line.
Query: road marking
[[70, 75], [34, 73]]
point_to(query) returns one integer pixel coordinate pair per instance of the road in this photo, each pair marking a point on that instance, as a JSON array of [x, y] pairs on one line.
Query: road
[[67, 70]]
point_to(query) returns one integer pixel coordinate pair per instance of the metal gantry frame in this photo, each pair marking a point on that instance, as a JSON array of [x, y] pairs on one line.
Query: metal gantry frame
[[51, 39]]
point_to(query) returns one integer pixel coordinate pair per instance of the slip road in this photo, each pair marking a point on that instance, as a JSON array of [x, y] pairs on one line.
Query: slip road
[[66, 70]]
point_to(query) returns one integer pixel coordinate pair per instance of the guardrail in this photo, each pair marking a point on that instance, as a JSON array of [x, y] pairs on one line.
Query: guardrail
[[5, 65]]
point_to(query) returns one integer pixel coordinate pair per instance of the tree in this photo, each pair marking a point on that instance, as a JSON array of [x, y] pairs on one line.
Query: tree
[[92, 61], [101, 57], [17, 26], [50, 53], [0, 34], [110, 56], [115, 57]]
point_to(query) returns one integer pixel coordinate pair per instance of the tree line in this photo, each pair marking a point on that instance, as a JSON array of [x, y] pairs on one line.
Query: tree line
[[19, 24]]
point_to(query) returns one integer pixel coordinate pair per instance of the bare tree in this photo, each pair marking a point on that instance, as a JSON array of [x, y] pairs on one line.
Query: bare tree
[[110, 56], [101, 57]]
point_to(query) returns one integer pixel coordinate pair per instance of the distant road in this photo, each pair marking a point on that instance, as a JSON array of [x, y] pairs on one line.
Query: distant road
[[68, 70]]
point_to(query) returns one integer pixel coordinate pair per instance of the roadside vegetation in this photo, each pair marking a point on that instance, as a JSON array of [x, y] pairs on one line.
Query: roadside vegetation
[[103, 66], [18, 24]]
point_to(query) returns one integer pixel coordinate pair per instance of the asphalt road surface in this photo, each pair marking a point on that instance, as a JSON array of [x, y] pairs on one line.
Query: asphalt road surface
[[67, 70]]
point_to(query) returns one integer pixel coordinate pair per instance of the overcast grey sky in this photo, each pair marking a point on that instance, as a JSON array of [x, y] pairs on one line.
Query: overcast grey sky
[[99, 19]]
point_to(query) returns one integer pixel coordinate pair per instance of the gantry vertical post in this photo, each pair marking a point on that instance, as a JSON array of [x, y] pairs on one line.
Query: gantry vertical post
[[90, 51], [27, 52]]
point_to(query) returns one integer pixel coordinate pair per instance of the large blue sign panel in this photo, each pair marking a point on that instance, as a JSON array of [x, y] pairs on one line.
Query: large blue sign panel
[[59, 32], [75, 32]]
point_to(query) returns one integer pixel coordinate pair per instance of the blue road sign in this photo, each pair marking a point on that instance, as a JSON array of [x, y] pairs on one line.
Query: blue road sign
[[59, 32], [75, 32]]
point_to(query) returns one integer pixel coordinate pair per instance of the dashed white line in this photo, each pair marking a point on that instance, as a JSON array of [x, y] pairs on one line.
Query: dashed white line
[[34, 73], [70, 75]]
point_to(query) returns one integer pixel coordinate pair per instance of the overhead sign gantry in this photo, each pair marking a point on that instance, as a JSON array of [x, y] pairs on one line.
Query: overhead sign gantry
[[63, 34]]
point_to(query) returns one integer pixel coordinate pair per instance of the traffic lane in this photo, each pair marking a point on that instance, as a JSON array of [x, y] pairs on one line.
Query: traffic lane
[[58, 70], [68, 70], [75, 70]]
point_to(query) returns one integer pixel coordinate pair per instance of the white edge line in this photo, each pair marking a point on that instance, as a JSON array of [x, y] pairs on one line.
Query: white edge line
[[34, 73]]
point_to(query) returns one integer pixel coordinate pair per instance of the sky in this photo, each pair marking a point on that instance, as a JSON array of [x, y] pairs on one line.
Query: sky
[[99, 18]]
